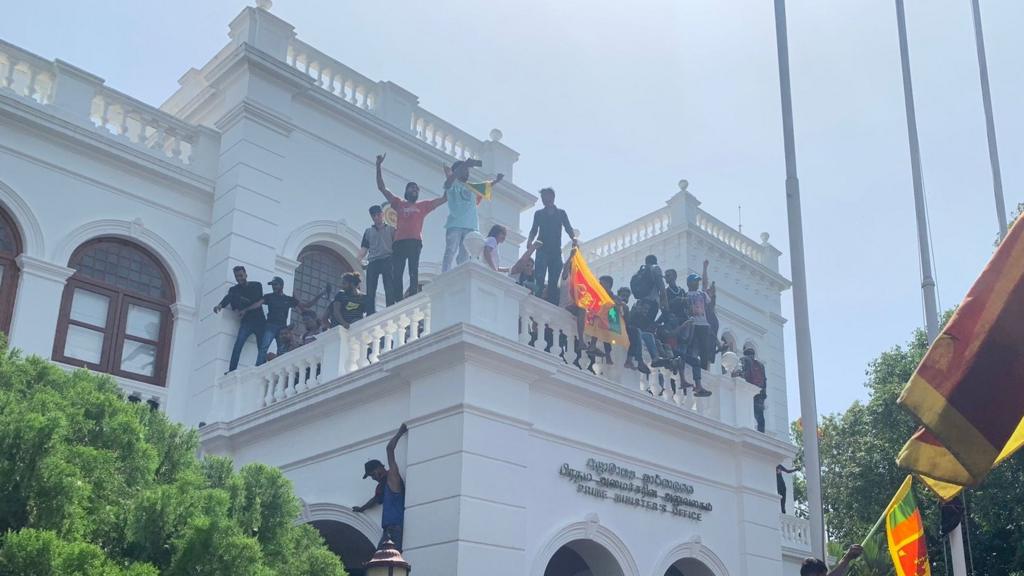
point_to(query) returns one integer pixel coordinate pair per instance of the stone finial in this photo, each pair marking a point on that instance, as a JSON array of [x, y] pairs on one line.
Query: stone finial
[[683, 185], [764, 237], [496, 135], [264, 4]]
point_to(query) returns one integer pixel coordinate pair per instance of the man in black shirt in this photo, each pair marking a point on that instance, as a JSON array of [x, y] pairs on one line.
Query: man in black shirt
[[278, 304], [349, 304], [244, 298], [548, 223]]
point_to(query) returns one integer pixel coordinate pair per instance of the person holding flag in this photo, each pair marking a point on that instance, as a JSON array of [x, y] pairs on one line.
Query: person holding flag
[[596, 312], [463, 198]]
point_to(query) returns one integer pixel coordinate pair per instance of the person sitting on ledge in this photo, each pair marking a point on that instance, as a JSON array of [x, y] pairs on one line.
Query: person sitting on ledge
[[349, 303], [815, 567], [495, 237], [390, 493]]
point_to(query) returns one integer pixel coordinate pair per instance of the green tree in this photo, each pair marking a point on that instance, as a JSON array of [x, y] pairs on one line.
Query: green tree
[[858, 451], [93, 485]]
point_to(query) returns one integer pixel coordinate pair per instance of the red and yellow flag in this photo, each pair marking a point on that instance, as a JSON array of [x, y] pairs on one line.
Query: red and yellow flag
[[904, 532], [602, 317], [968, 391]]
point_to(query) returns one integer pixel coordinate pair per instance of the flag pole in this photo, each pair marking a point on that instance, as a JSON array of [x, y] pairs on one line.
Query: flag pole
[[804, 360], [923, 243], [990, 124]]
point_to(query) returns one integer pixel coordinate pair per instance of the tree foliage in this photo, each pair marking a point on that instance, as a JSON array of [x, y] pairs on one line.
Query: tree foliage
[[858, 450], [93, 485]]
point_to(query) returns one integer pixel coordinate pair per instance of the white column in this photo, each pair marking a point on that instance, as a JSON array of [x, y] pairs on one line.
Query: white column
[[37, 305]]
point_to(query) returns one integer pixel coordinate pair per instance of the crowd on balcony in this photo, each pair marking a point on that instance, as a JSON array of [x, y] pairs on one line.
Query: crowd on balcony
[[676, 325]]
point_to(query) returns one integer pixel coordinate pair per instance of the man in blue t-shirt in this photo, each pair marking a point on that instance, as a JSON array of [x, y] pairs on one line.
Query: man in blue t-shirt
[[462, 216], [390, 493]]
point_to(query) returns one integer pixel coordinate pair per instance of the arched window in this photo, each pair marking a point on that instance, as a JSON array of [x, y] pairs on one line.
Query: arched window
[[115, 316], [10, 247], [318, 266]]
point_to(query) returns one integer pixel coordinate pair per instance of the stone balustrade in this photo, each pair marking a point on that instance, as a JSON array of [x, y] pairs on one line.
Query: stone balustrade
[[143, 125], [474, 295], [84, 99], [730, 237], [796, 532], [443, 135], [333, 76], [388, 330], [635, 232], [26, 74]]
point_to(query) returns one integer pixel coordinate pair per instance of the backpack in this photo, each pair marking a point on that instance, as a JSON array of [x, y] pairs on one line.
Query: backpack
[[641, 284]]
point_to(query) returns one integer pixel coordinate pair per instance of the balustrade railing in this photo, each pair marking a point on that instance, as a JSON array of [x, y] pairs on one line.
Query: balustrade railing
[[730, 237], [635, 232], [26, 74], [524, 320], [796, 532], [443, 135], [388, 330], [143, 125], [332, 75]]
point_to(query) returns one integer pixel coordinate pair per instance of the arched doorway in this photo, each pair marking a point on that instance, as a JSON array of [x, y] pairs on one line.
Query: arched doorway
[[583, 558], [348, 543], [689, 567]]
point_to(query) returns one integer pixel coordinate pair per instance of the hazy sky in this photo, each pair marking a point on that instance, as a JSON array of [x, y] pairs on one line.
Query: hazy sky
[[622, 99]]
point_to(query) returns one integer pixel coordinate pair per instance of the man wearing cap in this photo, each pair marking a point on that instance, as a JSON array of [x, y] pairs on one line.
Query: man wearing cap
[[752, 370], [390, 493], [697, 302], [278, 304], [376, 247], [462, 214]]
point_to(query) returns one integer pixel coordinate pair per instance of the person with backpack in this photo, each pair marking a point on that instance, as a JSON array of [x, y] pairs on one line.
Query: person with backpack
[[648, 283], [752, 370]]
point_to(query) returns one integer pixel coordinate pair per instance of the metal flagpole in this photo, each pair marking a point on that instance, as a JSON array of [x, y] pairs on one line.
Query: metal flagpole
[[931, 312], [804, 360], [990, 125]]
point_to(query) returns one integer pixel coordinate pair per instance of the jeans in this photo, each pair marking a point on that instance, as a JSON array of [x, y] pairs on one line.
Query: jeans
[[454, 243], [401, 251], [393, 533], [246, 329], [379, 269], [549, 263], [638, 339], [270, 332], [759, 413]]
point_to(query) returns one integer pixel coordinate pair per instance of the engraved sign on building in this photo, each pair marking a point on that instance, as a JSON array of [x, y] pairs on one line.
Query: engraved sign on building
[[652, 492]]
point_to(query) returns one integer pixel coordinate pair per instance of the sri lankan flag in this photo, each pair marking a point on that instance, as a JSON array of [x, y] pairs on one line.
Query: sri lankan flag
[[602, 317], [904, 533], [484, 190], [968, 391]]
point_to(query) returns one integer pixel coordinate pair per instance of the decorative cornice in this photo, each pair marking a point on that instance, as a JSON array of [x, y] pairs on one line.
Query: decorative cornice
[[285, 265], [182, 311], [251, 110], [43, 269]]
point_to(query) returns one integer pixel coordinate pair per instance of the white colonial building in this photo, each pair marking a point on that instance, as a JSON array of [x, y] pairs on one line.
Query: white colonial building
[[120, 224]]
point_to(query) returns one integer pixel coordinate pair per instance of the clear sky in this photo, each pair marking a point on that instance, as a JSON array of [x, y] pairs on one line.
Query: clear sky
[[613, 102]]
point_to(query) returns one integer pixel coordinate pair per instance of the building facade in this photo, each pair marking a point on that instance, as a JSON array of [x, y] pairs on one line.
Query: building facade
[[120, 223]]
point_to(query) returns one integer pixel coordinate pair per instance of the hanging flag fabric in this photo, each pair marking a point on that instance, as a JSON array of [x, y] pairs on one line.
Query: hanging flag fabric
[[904, 532], [947, 491], [602, 318], [484, 190], [968, 391]]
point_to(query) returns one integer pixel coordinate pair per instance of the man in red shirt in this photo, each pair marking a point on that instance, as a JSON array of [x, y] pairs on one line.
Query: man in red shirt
[[409, 230]]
